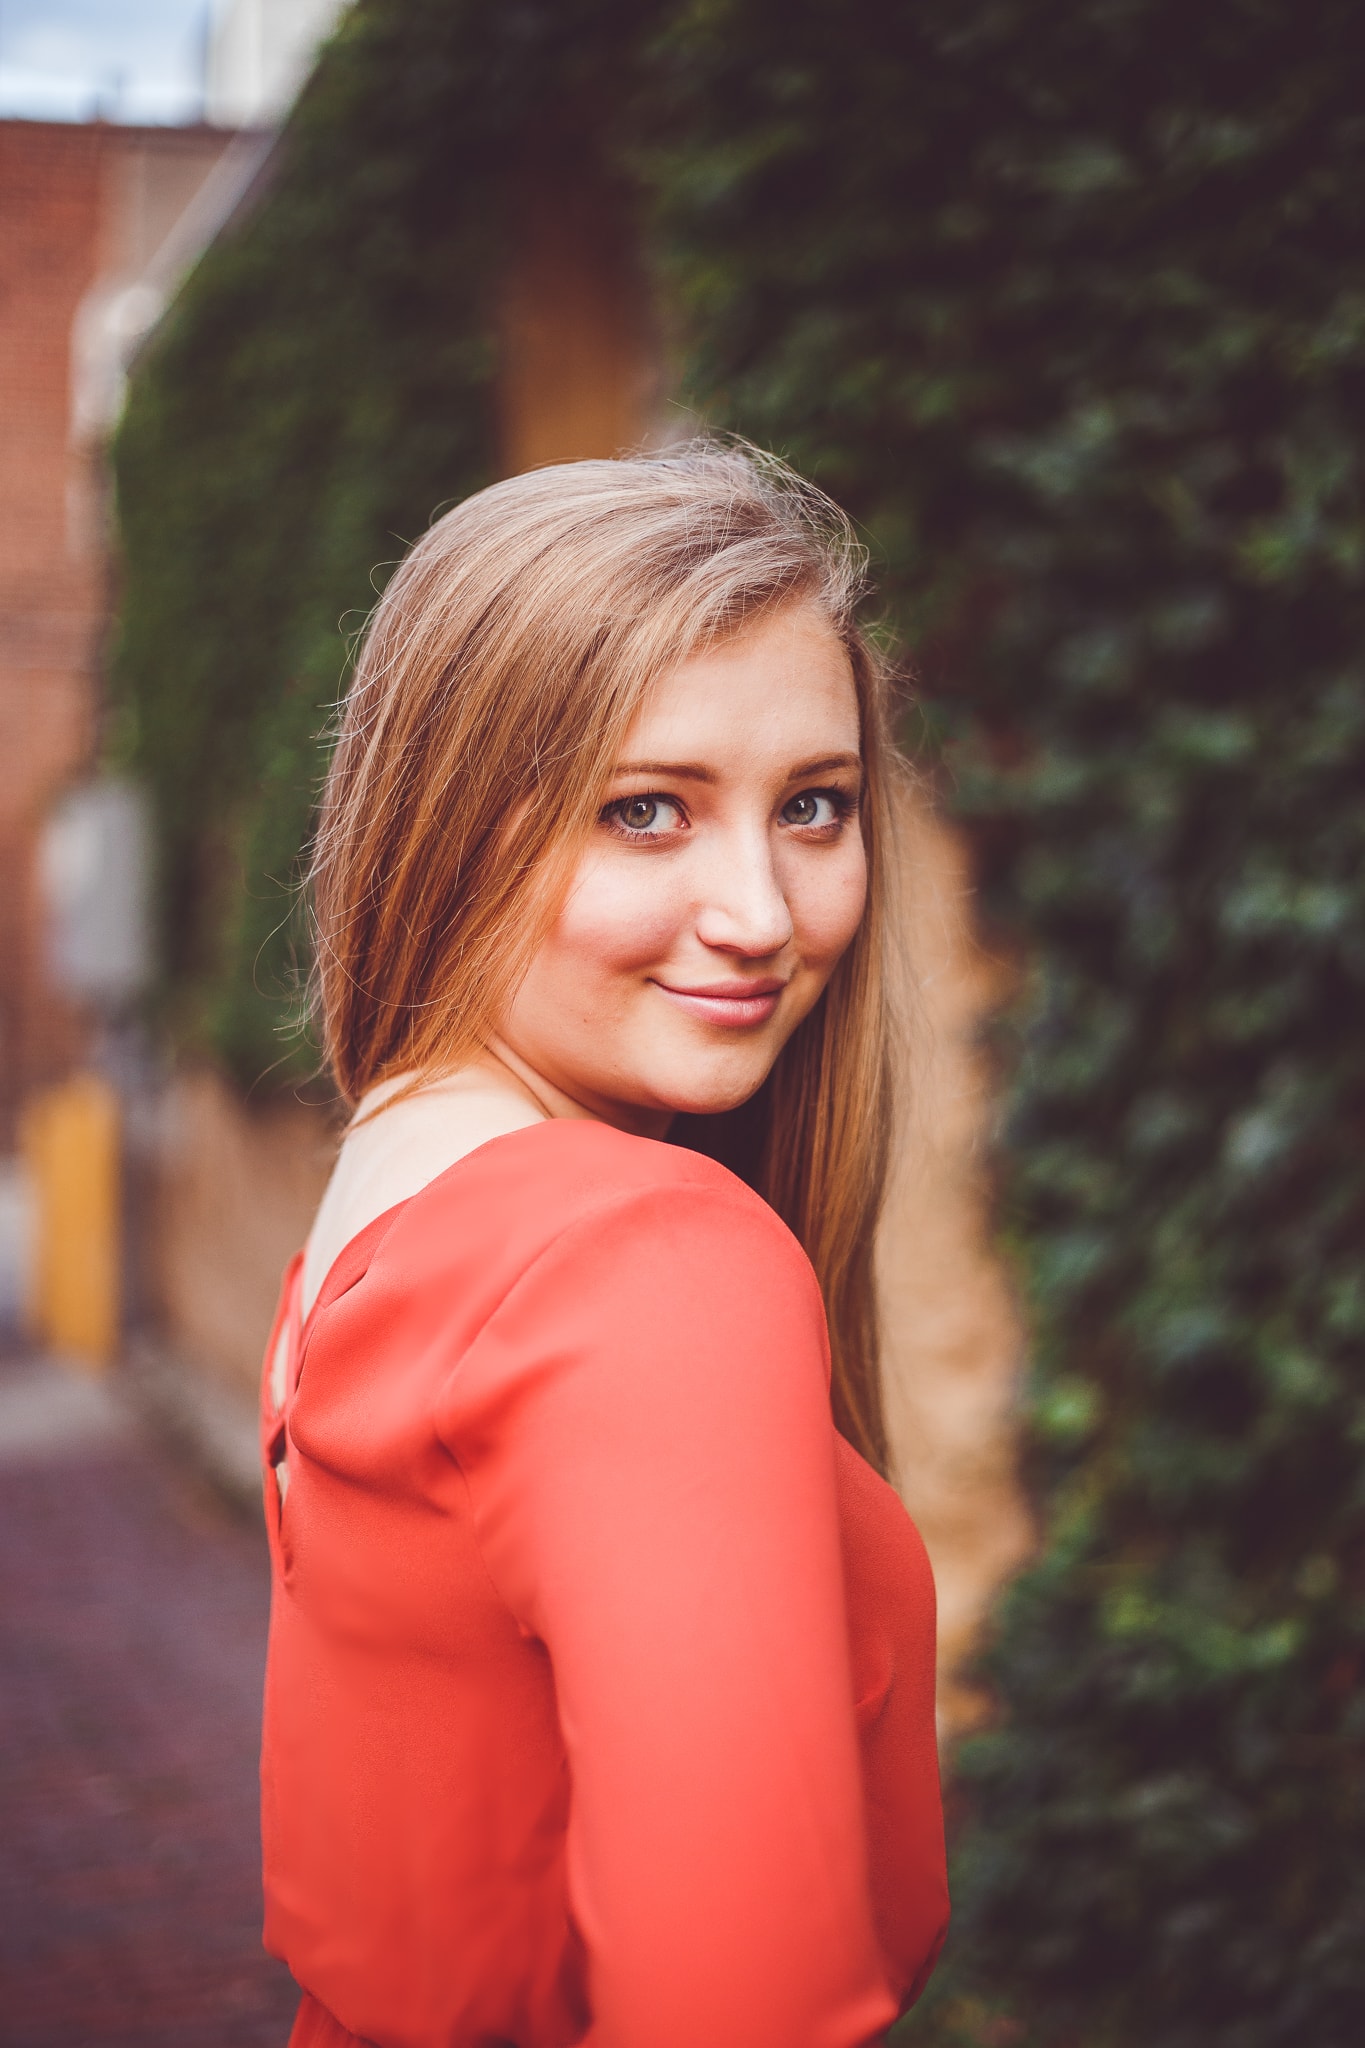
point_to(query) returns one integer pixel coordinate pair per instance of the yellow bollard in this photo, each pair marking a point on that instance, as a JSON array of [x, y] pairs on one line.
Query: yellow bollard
[[70, 1139]]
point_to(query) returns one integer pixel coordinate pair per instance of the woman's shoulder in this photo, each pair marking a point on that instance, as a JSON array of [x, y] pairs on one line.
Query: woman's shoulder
[[570, 1205], [531, 1187], [632, 1289]]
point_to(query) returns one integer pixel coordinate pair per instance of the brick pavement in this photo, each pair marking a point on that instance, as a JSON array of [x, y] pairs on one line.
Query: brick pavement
[[132, 1637]]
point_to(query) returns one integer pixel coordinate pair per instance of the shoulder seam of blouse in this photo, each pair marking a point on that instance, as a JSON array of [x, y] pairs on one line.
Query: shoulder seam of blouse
[[620, 1199]]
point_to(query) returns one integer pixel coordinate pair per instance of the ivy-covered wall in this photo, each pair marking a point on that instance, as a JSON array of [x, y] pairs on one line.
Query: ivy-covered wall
[[1066, 300], [322, 383]]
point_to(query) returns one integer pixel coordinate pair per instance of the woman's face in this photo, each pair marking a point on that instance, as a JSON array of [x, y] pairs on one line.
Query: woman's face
[[724, 878]]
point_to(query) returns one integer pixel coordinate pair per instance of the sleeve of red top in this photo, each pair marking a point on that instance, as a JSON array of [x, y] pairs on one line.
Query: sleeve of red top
[[645, 1430]]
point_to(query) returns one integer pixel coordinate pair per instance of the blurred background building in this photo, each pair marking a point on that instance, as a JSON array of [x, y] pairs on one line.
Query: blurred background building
[[99, 221]]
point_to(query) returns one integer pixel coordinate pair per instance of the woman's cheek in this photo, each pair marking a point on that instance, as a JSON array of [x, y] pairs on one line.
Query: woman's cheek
[[827, 902], [624, 910]]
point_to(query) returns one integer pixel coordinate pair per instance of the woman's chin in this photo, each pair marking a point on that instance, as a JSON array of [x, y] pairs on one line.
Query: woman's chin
[[713, 1095]]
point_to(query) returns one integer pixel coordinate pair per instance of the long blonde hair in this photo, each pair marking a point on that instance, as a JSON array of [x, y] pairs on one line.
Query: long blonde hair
[[506, 660]]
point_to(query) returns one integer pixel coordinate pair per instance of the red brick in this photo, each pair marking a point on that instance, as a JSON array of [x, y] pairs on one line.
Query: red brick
[[51, 593]]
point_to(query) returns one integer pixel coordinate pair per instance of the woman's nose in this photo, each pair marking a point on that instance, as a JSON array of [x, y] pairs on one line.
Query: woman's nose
[[744, 909]]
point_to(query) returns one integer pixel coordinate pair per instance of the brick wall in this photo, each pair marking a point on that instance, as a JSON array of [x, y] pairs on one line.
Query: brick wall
[[81, 206], [51, 564]]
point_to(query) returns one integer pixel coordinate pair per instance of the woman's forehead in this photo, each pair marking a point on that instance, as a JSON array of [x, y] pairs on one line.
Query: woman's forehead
[[787, 681]]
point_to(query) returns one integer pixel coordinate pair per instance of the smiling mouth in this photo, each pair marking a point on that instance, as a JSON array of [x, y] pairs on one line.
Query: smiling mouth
[[736, 1004]]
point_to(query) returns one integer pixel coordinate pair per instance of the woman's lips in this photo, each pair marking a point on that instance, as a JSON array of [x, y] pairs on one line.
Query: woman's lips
[[736, 1003]]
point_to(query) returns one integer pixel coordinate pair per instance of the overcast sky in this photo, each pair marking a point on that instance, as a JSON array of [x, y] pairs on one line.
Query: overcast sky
[[130, 60]]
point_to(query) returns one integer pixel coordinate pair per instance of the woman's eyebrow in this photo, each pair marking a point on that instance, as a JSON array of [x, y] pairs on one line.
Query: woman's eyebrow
[[676, 771], [827, 764], [692, 771]]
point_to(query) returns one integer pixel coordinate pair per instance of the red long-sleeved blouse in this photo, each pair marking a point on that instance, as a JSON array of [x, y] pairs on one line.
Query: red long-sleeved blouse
[[599, 1702]]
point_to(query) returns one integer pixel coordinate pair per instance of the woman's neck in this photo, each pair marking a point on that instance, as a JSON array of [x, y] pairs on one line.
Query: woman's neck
[[501, 1063], [554, 1101]]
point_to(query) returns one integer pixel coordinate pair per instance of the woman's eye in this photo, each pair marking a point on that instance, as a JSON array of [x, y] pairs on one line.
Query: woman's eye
[[819, 807], [644, 817]]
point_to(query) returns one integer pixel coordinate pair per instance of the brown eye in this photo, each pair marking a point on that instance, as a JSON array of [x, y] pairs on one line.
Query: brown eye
[[644, 817], [823, 807]]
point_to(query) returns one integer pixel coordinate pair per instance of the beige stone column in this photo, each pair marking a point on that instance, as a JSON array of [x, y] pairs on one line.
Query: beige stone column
[[953, 1336]]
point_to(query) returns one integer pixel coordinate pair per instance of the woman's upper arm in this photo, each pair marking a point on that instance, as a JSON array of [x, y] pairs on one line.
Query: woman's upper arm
[[645, 1429]]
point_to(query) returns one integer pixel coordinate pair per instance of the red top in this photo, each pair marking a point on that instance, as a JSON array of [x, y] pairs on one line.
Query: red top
[[600, 1696]]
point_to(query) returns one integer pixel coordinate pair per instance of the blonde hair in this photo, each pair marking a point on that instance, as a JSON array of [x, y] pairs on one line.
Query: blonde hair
[[506, 660]]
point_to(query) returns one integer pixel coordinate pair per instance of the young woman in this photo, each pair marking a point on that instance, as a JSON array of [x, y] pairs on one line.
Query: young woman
[[600, 1693]]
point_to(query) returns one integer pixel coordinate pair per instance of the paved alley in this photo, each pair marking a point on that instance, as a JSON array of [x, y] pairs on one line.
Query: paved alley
[[132, 1638]]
